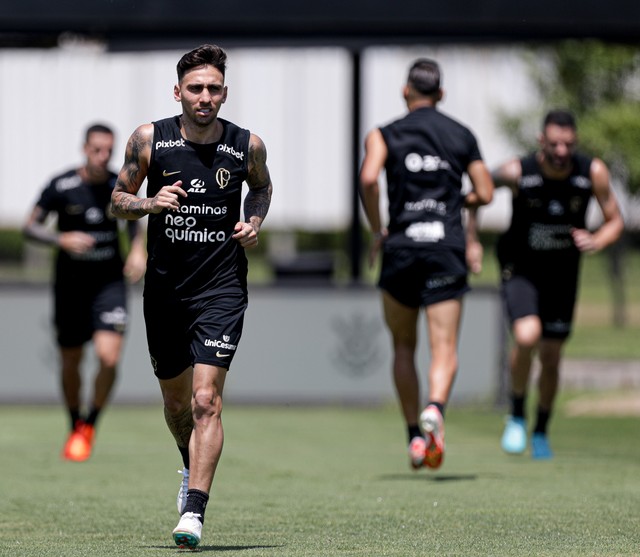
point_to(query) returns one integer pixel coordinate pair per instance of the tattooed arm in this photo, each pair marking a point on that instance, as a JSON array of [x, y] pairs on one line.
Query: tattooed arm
[[124, 201], [258, 198]]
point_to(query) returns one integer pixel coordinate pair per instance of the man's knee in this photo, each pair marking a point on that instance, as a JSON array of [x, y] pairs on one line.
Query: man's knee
[[527, 331], [206, 403]]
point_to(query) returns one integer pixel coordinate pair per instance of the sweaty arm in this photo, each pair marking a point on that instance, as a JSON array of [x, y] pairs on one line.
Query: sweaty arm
[[75, 241], [482, 190], [35, 228], [258, 198], [125, 202], [508, 174], [481, 194], [136, 261], [375, 156], [613, 224]]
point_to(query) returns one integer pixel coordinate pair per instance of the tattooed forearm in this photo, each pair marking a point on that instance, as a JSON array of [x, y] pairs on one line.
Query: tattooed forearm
[[127, 206], [256, 203], [258, 199], [124, 201]]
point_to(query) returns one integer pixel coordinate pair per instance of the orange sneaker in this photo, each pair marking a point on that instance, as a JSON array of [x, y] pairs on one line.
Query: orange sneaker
[[417, 449], [88, 431], [433, 426], [79, 443]]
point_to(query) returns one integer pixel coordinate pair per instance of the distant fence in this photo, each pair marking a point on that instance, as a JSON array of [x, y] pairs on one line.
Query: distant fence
[[300, 345]]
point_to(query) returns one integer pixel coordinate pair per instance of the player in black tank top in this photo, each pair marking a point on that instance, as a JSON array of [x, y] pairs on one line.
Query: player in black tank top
[[540, 256], [425, 155], [200, 233], [195, 291], [89, 288]]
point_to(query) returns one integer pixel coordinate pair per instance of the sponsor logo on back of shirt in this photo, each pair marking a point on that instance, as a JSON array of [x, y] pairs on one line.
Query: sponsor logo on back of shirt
[[427, 163]]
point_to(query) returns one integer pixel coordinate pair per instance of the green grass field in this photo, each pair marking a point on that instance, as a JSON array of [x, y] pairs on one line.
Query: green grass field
[[321, 482]]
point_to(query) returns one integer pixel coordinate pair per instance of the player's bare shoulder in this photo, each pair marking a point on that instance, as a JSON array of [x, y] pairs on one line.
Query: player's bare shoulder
[[140, 142]]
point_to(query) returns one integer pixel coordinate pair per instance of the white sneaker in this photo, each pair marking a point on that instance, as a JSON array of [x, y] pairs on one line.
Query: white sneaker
[[433, 427], [188, 532], [181, 501]]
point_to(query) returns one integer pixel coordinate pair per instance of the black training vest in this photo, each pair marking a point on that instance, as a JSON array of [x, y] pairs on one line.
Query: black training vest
[[82, 206], [191, 250], [428, 153], [544, 212]]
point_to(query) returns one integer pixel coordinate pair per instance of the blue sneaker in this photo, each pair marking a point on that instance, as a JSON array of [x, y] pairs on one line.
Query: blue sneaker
[[540, 448], [514, 438]]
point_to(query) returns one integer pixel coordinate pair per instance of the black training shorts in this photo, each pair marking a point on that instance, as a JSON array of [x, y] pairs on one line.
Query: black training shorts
[[550, 296], [86, 307], [416, 277], [203, 330]]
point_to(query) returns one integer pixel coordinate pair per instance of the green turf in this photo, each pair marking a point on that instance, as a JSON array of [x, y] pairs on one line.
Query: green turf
[[321, 482]]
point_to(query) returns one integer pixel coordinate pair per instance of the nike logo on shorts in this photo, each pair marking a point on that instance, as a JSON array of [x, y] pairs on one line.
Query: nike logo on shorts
[[165, 173], [219, 355]]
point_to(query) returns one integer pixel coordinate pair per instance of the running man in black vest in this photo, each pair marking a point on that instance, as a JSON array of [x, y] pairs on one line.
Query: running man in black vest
[[90, 297], [425, 155], [196, 282], [540, 257]]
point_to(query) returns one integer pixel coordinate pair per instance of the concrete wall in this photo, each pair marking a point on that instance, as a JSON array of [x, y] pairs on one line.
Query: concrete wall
[[300, 345]]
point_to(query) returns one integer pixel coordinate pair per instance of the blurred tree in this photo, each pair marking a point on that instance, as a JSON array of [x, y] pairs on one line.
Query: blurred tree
[[600, 83]]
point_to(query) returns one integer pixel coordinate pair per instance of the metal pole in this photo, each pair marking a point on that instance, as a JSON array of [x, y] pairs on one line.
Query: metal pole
[[355, 237]]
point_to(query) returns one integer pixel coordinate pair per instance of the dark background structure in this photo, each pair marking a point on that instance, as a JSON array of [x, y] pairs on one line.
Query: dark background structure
[[125, 24]]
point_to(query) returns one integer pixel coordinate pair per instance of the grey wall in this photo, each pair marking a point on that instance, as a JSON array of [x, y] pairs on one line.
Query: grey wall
[[300, 345]]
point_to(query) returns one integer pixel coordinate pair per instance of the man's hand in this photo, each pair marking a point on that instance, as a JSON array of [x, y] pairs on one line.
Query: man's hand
[[474, 256], [583, 239], [77, 243], [376, 245], [135, 266], [167, 198], [245, 234]]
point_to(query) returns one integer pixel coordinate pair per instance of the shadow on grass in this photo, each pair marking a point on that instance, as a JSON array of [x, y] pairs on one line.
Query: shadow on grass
[[203, 548], [425, 478]]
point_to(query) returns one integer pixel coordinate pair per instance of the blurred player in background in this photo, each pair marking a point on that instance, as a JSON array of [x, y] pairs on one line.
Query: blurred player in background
[[540, 258], [196, 282], [425, 155], [89, 287]]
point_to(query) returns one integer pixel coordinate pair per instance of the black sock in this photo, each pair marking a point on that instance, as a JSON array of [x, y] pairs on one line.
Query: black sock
[[438, 405], [517, 404], [541, 421], [196, 503], [414, 431], [92, 418], [74, 414], [184, 451]]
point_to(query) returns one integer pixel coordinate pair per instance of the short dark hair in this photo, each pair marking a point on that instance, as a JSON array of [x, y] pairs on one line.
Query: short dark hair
[[424, 76], [204, 55], [97, 128], [560, 117]]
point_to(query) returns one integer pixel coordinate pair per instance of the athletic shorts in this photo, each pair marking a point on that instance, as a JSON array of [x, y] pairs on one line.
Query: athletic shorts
[[418, 278], [84, 308], [182, 333], [551, 297]]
